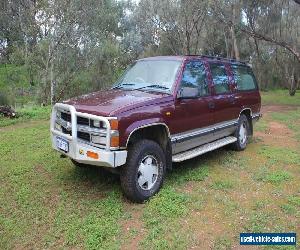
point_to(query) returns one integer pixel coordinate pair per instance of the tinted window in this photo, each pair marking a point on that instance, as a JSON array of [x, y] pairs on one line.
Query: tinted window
[[243, 77], [194, 76], [220, 78]]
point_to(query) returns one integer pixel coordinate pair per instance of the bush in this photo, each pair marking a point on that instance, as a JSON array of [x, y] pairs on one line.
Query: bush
[[3, 99]]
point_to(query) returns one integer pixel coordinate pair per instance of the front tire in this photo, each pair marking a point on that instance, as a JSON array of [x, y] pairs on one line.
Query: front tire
[[144, 172], [242, 133]]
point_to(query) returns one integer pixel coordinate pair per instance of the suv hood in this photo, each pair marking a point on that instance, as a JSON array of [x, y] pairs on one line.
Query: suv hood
[[114, 101]]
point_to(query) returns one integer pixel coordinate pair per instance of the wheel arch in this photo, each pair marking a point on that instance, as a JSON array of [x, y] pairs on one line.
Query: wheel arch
[[158, 132], [146, 128], [248, 113]]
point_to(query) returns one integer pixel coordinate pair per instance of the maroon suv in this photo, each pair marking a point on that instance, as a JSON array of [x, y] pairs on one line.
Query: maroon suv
[[162, 110]]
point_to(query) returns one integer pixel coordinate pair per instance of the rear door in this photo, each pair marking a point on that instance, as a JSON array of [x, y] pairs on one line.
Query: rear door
[[247, 94], [193, 117], [226, 108]]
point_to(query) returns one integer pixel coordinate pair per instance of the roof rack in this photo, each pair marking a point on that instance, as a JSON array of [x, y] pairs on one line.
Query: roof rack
[[220, 58]]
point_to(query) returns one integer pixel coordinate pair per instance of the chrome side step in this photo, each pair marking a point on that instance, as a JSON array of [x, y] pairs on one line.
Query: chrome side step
[[203, 149]]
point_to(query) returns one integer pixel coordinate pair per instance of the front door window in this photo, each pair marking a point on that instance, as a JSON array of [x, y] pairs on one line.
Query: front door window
[[194, 77]]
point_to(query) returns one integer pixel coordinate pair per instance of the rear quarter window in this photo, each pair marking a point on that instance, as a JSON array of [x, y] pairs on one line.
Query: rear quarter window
[[244, 78]]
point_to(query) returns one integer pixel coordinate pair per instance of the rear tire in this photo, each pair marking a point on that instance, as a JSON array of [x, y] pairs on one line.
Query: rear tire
[[144, 172], [242, 133]]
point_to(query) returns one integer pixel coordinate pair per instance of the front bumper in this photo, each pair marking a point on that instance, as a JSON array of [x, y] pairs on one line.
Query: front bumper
[[78, 152], [256, 117], [81, 151]]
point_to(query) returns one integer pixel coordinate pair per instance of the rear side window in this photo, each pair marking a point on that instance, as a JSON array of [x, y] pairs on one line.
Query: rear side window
[[194, 76], [220, 78], [243, 77]]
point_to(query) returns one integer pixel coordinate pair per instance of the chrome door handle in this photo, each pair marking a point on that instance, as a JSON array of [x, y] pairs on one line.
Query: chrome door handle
[[232, 99], [211, 105]]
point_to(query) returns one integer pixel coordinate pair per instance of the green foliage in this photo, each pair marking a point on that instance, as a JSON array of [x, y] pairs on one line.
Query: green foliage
[[231, 160], [275, 177], [36, 180], [277, 155], [291, 119], [166, 204], [261, 126], [160, 215], [3, 99], [189, 172], [223, 184], [294, 200], [222, 243], [258, 221], [27, 114], [280, 97], [278, 176], [292, 206], [14, 84], [100, 226]]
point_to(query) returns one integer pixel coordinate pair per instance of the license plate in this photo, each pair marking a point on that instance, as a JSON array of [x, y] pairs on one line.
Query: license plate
[[62, 144]]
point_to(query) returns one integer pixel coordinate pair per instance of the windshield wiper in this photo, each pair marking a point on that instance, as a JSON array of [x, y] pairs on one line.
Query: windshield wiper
[[154, 86], [120, 85]]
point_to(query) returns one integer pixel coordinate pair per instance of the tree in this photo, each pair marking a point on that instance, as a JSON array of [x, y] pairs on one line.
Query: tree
[[179, 22], [275, 22]]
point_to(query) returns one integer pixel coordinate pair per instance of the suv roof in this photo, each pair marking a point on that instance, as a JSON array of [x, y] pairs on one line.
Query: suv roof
[[209, 58]]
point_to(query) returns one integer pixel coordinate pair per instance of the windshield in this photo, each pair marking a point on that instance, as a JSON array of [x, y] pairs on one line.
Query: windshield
[[158, 75]]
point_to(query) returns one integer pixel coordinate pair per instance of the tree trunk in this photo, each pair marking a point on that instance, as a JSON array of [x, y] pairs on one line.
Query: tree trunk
[[235, 49], [51, 83], [292, 83], [226, 43]]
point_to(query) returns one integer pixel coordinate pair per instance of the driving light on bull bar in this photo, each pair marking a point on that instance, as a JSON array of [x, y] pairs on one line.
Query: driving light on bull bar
[[92, 154]]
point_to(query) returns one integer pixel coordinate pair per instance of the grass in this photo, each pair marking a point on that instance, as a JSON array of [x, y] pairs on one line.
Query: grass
[[161, 216], [280, 97], [205, 203], [278, 154], [291, 119], [222, 243], [27, 114], [222, 184], [278, 176]]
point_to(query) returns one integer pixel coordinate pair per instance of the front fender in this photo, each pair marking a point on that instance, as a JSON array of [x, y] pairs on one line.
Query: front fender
[[139, 125]]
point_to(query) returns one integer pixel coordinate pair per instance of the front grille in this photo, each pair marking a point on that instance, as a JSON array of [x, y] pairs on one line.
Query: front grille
[[83, 121], [85, 127], [66, 116], [66, 131], [83, 136], [80, 120]]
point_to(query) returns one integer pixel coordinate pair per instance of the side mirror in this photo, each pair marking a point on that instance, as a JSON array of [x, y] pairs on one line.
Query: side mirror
[[187, 93]]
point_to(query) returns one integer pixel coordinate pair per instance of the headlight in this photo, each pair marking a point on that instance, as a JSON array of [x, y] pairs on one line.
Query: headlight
[[113, 124], [97, 124], [58, 114], [58, 127], [97, 139]]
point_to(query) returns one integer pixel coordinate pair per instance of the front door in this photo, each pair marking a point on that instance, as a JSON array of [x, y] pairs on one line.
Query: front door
[[193, 116]]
